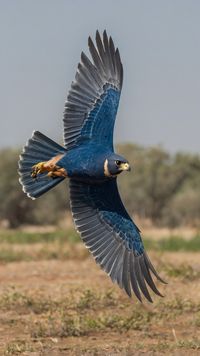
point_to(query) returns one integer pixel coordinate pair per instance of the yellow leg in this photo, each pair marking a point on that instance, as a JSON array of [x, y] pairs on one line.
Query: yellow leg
[[50, 167], [59, 172]]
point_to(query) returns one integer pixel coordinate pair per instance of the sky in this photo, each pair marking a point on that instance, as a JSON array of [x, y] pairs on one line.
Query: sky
[[159, 43]]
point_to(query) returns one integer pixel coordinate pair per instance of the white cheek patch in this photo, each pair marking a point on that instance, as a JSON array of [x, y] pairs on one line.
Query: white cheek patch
[[106, 170]]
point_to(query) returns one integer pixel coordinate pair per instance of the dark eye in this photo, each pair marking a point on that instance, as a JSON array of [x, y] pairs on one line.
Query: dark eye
[[118, 163]]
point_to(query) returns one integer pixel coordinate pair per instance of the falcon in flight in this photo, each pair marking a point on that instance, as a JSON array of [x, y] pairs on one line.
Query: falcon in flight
[[89, 162]]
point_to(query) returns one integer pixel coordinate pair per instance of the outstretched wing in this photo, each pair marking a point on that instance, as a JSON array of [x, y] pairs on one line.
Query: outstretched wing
[[92, 103], [112, 237]]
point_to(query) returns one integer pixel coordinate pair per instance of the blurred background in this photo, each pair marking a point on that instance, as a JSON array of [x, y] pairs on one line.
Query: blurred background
[[158, 121], [53, 298]]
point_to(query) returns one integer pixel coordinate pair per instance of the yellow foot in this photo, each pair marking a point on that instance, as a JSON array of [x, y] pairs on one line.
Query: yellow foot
[[37, 169], [50, 167]]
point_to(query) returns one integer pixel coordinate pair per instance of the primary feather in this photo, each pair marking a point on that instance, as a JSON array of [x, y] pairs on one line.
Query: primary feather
[[92, 103], [111, 236]]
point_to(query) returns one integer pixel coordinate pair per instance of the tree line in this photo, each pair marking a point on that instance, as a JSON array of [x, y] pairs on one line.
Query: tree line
[[162, 187]]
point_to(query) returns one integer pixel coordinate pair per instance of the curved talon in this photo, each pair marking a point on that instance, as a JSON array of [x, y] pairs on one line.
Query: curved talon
[[37, 169]]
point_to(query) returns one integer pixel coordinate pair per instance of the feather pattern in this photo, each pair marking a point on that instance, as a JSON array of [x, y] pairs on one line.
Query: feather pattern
[[103, 224], [38, 148], [92, 102]]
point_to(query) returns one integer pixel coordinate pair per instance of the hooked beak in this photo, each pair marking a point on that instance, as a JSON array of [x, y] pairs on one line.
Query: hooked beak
[[125, 167]]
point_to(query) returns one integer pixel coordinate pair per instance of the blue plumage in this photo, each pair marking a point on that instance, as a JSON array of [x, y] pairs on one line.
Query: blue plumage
[[92, 166], [86, 162], [38, 148], [106, 199], [100, 122]]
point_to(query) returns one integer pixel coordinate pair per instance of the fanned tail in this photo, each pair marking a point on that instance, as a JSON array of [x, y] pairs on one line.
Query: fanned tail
[[38, 148]]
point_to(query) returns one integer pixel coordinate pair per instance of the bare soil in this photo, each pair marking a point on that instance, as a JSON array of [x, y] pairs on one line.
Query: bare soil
[[69, 306]]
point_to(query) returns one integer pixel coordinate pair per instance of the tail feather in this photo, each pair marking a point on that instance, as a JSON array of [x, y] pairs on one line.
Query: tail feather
[[39, 148]]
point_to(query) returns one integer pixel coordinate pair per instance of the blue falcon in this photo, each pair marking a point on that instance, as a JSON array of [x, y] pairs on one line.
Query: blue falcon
[[89, 162]]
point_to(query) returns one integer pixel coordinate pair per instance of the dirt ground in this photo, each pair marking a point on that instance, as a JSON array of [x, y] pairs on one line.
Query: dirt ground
[[68, 306]]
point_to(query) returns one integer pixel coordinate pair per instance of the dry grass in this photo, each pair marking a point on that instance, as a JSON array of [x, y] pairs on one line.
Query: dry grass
[[54, 300]]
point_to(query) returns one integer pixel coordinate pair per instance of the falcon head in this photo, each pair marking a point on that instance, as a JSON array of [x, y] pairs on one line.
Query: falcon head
[[115, 164]]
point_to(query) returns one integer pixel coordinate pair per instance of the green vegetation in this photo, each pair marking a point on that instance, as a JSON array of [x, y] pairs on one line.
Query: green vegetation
[[173, 243], [23, 237], [117, 315], [189, 344], [182, 271], [61, 318], [161, 187], [63, 245], [18, 347], [81, 325]]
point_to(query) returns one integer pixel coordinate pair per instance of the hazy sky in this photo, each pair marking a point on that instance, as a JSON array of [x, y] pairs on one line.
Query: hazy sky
[[159, 42]]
